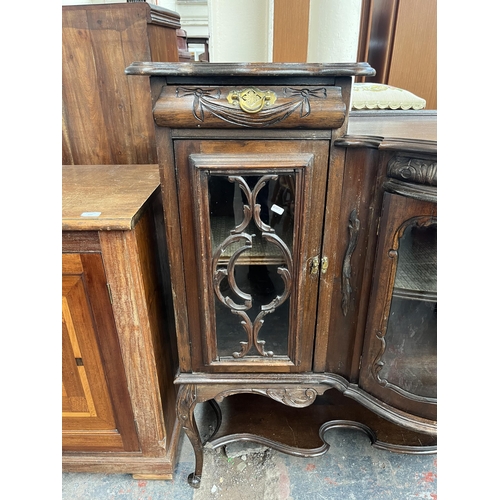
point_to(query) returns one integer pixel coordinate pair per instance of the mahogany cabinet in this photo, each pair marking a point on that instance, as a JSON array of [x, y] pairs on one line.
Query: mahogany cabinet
[[277, 226], [118, 350]]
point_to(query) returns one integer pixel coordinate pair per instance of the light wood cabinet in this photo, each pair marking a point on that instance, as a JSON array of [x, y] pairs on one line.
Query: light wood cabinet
[[118, 346], [106, 117], [277, 217]]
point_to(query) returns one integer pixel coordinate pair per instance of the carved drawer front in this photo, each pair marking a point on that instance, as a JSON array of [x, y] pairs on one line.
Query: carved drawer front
[[254, 107]]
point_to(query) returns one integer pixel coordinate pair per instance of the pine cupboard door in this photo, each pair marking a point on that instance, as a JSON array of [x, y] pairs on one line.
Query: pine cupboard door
[[96, 410], [399, 363], [254, 248]]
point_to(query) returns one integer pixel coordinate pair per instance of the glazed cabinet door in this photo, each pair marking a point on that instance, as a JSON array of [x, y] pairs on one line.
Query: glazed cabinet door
[[254, 243], [400, 359], [96, 410]]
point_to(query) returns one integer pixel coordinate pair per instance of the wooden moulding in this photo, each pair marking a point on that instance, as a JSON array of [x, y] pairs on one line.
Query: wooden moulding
[[249, 70], [300, 391], [273, 106]]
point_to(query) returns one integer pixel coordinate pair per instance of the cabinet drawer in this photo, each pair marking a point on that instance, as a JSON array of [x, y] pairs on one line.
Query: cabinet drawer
[[319, 107]]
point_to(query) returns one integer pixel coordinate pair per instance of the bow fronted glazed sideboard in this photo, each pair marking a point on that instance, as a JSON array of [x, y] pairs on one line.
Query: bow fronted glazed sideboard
[[302, 250]]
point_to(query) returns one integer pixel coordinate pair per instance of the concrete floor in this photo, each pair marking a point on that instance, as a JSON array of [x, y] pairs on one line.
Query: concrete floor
[[351, 470]]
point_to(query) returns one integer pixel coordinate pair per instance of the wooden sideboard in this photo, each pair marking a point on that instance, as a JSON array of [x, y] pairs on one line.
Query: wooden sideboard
[[302, 246], [106, 117], [118, 346]]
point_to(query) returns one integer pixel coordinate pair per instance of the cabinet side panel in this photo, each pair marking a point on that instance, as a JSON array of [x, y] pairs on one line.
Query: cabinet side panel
[[153, 258], [124, 272], [107, 115], [163, 44], [175, 244], [82, 107]]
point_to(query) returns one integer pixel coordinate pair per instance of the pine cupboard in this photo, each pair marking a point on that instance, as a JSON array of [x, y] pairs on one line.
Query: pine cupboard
[[302, 255], [118, 345]]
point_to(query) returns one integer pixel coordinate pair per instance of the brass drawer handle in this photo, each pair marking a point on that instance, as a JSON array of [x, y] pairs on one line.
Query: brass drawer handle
[[252, 100]]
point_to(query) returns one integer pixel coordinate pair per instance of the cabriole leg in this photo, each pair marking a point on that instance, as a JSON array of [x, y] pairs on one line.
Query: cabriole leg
[[186, 403]]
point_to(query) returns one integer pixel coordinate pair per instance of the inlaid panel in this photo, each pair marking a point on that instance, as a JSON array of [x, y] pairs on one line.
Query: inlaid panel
[[89, 420]]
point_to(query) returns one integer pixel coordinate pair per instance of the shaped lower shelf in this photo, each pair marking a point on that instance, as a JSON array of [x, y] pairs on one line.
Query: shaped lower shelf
[[300, 431]]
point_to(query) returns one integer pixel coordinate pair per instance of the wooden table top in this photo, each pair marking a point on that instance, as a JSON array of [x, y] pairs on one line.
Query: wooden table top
[[105, 197]]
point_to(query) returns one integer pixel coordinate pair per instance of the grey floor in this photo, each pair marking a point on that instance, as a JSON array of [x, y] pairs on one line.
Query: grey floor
[[351, 470]]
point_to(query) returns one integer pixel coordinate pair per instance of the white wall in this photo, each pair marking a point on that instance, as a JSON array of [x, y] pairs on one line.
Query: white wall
[[240, 31], [333, 30], [242, 34]]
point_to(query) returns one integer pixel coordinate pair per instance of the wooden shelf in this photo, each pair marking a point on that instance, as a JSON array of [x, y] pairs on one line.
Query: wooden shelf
[[416, 275], [261, 253], [300, 431]]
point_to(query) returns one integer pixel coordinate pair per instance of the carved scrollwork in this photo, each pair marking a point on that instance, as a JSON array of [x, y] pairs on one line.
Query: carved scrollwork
[[415, 170], [186, 402], [251, 211], [353, 228], [251, 107], [296, 397]]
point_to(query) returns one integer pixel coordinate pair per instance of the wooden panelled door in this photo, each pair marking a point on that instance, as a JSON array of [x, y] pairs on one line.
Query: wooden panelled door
[[89, 419]]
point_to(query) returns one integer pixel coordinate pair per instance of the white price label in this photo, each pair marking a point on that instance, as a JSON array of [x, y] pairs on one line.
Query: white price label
[[90, 214]]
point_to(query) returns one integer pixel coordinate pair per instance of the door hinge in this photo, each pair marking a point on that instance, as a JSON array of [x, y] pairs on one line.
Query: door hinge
[[360, 360], [378, 225], [109, 292]]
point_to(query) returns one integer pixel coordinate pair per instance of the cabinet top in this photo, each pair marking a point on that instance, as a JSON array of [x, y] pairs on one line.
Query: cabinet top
[[152, 14], [199, 69], [105, 197]]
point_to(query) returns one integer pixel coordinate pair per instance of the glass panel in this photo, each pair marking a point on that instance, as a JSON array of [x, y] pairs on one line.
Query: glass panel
[[410, 355], [251, 223]]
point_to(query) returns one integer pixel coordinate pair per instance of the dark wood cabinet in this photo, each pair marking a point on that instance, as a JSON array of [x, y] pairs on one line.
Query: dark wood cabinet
[[280, 210], [118, 345]]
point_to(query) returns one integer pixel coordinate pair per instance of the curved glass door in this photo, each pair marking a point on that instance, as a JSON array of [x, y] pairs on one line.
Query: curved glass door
[[408, 360]]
